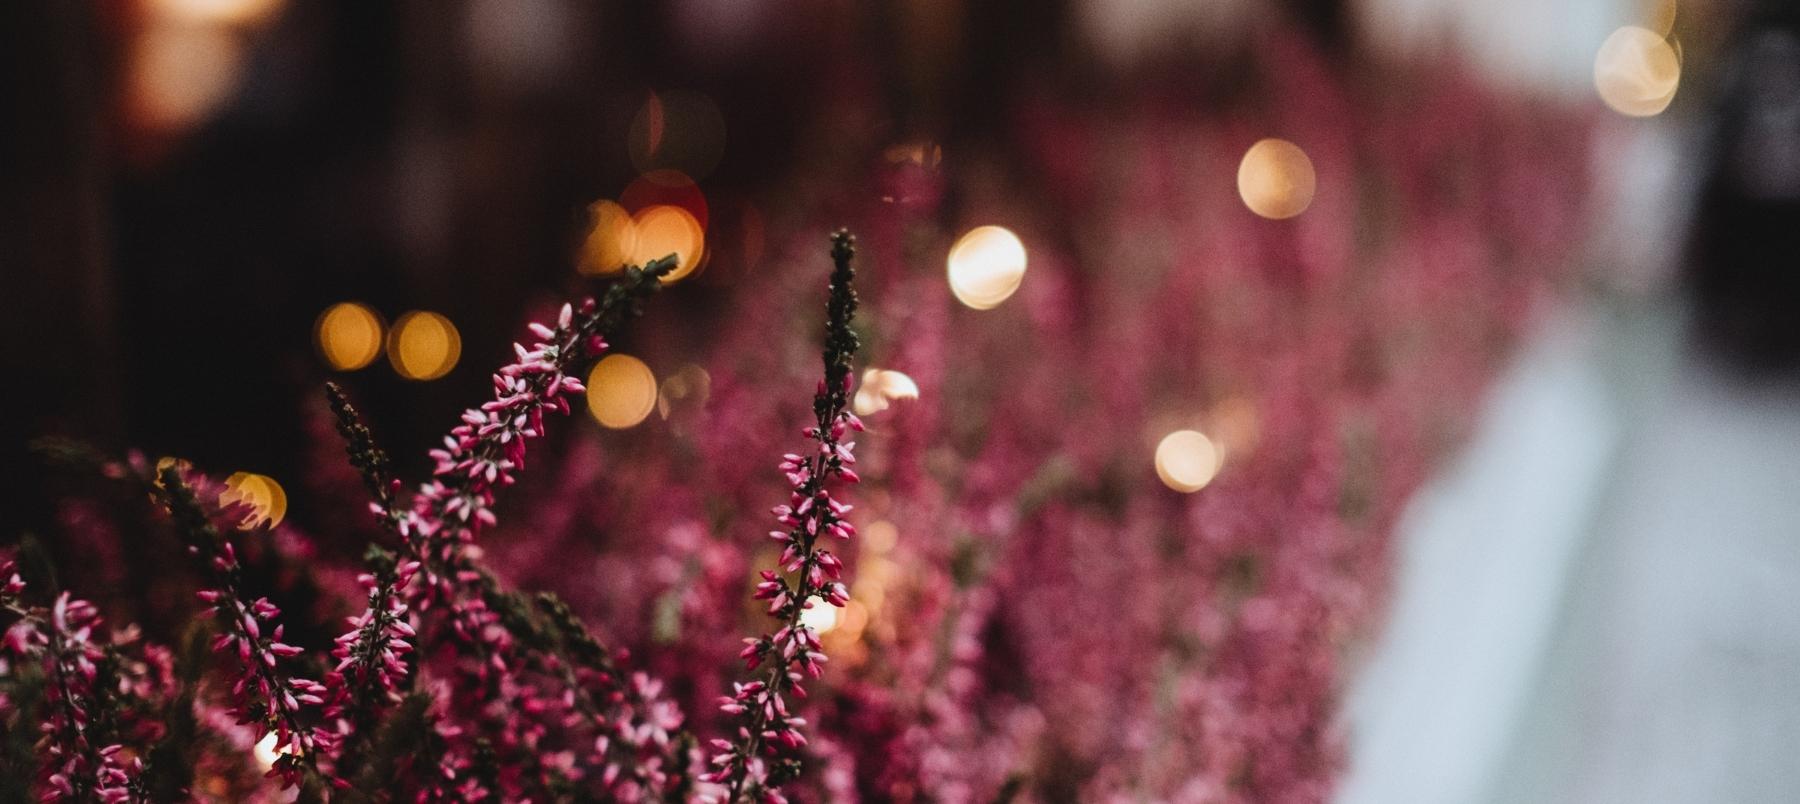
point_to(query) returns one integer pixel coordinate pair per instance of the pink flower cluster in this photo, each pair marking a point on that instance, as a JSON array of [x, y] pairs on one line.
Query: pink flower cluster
[[494, 696], [370, 668], [264, 695], [764, 753], [488, 447], [74, 765]]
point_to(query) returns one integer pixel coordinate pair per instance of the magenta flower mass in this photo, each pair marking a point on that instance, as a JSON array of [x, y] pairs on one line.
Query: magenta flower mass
[[994, 612], [1218, 403]]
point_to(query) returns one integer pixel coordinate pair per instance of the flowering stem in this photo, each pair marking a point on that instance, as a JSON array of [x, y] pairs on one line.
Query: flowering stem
[[262, 694], [78, 754], [760, 706], [489, 446], [481, 454], [367, 678], [371, 461]]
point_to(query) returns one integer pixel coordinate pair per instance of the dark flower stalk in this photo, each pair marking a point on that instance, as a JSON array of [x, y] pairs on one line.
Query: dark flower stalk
[[370, 460], [263, 695], [370, 672], [764, 753]]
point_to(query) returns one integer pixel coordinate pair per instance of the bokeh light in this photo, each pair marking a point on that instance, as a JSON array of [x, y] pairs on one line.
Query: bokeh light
[[611, 239], [1186, 460], [181, 74], [621, 391], [348, 336], [1662, 16], [215, 12], [986, 266], [822, 617], [1276, 179], [424, 345], [265, 751], [687, 389], [1637, 72], [677, 129], [265, 498], [667, 188], [849, 624], [663, 230], [879, 387]]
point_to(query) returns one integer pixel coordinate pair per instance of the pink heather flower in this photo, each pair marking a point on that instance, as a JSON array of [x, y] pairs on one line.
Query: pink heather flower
[[263, 694], [500, 690], [766, 730], [74, 764], [370, 669]]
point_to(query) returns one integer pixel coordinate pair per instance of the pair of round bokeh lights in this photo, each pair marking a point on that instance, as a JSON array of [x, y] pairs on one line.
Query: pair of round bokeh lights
[[422, 345]]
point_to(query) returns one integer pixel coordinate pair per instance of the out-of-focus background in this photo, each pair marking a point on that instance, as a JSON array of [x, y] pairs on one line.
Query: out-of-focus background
[[190, 183], [1170, 309]]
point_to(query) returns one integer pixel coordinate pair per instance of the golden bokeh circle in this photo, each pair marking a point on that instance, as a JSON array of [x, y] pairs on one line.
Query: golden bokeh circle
[[1637, 71], [611, 240], [1187, 460], [423, 345], [348, 336], [667, 229], [265, 498], [621, 391], [986, 266], [1276, 179]]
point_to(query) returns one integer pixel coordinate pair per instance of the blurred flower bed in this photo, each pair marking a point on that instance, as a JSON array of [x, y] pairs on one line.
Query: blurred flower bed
[[1043, 604]]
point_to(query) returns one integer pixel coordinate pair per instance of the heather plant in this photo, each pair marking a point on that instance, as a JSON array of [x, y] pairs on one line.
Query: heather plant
[[1024, 612], [445, 686], [1030, 612], [763, 753]]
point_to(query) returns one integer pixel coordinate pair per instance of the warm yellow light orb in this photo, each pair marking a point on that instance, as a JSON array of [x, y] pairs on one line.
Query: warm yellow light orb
[[879, 387], [1186, 461], [852, 620], [265, 498], [348, 336], [1662, 15], [986, 266], [181, 74], [611, 239], [1637, 72], [621, 391], [1276, 179], [265, 751], [822, 617], [668, 229], [423, 345]]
